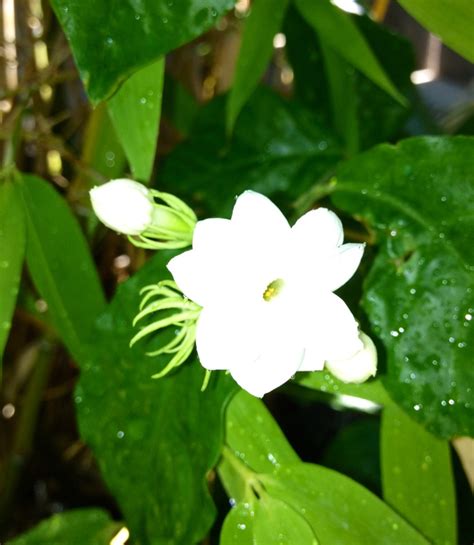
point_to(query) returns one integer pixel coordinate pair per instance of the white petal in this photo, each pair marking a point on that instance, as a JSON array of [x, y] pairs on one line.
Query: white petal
[[318, 230], [212, 235], [313, 360], [330, 328], [342, 266], [225, 339], [275, 366], [320, 271], [358, 368], [256, 216], [192, 276]]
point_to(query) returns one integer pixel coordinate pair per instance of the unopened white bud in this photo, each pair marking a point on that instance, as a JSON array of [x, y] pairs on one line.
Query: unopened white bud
[[358, 368], [123, 205]]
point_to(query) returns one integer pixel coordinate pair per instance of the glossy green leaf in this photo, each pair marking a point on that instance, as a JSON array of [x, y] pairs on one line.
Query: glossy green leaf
[[264, 21], [417, 476], [60, 264], [277, 523], [155, 440], [238, 527], [127, 36], [418, 199], [340, 511], [252, 432], [337, 31], [451, 20], [278, 148], [76, 527], [12, 245], [135, 112]]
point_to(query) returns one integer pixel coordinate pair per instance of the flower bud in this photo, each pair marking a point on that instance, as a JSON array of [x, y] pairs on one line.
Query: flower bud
[[358, 368], [123, 205], [151, 219]]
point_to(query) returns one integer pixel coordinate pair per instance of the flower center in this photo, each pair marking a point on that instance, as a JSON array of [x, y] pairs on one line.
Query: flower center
[[273, 289]]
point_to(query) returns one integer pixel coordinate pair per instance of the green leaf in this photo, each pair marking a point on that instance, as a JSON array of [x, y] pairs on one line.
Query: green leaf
[[155, 440], [417, 476], [252, 432], [451, 20], [127, 36], [238, 528], [256, 50], [278, 148], [76, 527], [276, 522], [60, 264], [337, 31], [340, 511], [417, 198], [135, 112], [12, 244]]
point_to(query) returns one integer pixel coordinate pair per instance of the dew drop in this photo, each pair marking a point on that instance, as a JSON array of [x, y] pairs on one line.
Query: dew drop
[[120, 434]]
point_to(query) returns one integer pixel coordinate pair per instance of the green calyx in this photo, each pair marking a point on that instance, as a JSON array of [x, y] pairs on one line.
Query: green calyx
[[171, 227], [166, 309]]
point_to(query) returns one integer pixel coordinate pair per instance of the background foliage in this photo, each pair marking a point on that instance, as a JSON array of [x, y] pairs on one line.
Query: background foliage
[[311, 106]]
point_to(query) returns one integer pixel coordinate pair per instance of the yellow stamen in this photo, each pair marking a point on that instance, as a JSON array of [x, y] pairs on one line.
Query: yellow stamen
[[273, 289]]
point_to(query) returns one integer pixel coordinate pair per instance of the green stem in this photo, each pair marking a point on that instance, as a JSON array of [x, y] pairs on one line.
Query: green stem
[[322, 188], [11, 145]]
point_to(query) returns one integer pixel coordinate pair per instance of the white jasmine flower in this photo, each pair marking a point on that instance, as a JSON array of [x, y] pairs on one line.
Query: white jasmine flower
[[358, 368], [123, 205], [266, 292], [132, 209]]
